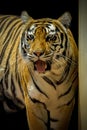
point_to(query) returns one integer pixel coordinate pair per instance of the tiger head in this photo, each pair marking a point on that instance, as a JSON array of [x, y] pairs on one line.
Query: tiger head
[[44, 40]]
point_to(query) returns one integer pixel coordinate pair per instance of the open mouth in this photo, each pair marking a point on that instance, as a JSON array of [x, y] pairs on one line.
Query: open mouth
[[41, 66]]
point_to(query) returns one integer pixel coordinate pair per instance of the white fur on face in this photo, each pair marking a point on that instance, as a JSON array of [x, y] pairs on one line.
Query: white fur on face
[[32, 29], [50, 29]]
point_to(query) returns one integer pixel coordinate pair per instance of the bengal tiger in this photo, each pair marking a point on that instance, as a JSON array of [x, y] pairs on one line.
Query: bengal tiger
[[39, 69]]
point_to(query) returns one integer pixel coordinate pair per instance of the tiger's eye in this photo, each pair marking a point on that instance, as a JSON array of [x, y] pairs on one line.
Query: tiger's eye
[[51, 38], [54, 38]]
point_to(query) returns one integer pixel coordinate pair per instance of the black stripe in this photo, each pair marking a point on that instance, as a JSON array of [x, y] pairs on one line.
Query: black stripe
[[65, 74], [15, 100], [1, 90], [62, 37], [48, 125], [19, 103], [37, 101], [48, 122], [20, 85], [16, 62], [3, 17], [34, 100], [7, 68], [13, 87], [53, 120], [69, 102], [11, 104], [16, 70], [2, 21], [10, 19], [5, 78], [7, 42], [65, 45], [75, 78], [23, 80], [38, 87], [48, 113], [49, 81], [65, 93], [12, 47], [66, 42]]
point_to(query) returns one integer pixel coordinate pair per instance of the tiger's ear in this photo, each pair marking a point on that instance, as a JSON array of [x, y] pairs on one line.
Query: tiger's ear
[[65, 19], [25, 17]]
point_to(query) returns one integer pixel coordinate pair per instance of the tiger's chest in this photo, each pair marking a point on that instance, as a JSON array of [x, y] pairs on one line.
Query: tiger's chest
[[51, 102], [46, 90]]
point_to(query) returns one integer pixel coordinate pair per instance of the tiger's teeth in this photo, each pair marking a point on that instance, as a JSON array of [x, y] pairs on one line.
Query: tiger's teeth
[[45, 66]]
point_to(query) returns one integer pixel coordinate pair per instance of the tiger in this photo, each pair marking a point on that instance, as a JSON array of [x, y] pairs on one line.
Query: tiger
[[39, 69]]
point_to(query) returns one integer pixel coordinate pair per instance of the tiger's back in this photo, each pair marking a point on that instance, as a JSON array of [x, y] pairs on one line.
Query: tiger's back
[[10, 91]]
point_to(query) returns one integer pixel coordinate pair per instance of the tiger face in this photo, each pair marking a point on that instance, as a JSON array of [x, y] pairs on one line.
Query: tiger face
[[43, 41]]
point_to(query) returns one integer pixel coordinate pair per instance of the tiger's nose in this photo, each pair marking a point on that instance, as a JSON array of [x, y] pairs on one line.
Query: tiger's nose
[[38, 53]]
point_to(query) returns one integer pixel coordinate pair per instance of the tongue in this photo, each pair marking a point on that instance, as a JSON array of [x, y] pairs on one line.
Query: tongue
[[40, 66]]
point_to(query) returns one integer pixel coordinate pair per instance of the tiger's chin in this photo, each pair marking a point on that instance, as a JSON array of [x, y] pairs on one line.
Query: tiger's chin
[[42, 66]]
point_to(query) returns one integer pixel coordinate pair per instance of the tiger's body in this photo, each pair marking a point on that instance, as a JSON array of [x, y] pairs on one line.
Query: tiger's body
[[38, 69], [11, 92]]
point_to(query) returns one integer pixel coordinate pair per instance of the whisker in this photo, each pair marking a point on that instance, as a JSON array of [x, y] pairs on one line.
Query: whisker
[[59, 63], [31, 55], [68, 59], [50, 54]]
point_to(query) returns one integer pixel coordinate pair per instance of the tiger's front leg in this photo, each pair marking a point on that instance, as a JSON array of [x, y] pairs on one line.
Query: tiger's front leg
[[40, 118], [35, 115], [33, 106]]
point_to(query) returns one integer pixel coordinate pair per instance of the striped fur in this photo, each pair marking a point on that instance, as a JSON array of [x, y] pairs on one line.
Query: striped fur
[[12, 94], [38, 69]]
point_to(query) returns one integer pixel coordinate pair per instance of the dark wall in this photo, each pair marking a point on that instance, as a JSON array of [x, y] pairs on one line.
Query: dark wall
[[37, 9]]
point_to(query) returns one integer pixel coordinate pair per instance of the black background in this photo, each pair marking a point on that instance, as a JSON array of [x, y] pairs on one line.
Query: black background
[[38, 9], [43, 8]]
